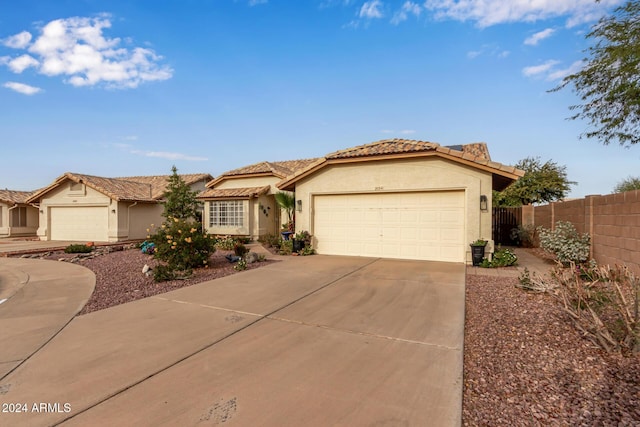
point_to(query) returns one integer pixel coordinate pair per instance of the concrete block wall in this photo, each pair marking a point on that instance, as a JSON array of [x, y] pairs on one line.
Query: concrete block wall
[[613, 221]]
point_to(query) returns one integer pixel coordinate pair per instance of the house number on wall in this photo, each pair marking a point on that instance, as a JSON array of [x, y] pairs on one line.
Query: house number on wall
[[378, 188]]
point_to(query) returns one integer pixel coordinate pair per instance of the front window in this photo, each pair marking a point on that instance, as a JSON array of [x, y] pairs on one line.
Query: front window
[[226, 213], [19, 217]]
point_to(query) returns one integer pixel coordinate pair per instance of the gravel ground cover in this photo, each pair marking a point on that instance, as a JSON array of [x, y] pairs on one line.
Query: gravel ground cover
[[119, 277], [525, 364]]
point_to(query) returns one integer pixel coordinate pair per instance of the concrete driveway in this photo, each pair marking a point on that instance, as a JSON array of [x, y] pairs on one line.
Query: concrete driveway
[[308, 341]]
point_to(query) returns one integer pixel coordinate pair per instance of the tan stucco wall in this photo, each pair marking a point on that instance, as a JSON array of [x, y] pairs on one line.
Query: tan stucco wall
[[127, 221], [6, 230], [426, 174], [135, 218], [259, 181], [62, 196]]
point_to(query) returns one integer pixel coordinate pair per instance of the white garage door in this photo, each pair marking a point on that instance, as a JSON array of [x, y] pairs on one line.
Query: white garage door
[[424, 226], [80, 223]]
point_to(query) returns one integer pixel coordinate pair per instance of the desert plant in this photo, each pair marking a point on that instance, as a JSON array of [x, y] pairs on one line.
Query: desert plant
[[605, 307], [286, 201], [565, 243], [526, 235], [240, 265], [286, 248], [226, 243], [240, 249], [180, 201], [182, 245], [533, 283], [78, 249], [307, 250], [501, 258]]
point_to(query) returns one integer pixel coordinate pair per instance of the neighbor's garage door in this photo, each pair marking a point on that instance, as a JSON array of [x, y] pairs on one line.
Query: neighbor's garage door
[[80, 223], [425, 226]]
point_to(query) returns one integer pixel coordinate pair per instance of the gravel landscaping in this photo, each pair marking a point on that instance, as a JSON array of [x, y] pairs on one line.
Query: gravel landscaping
[[525, 364], [119, 277]]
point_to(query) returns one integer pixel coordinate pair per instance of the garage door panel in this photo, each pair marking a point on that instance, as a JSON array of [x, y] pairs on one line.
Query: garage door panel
[[81, 223], [426, 225]]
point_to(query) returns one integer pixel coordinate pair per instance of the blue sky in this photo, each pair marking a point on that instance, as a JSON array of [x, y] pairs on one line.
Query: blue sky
[[125, 88]]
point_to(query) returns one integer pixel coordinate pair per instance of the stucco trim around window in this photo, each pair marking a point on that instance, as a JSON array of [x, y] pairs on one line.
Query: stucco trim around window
[[226, 213]]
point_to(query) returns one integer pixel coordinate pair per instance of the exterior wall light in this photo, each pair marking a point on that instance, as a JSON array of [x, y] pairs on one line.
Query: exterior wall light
[[299, 205], [484, 203]]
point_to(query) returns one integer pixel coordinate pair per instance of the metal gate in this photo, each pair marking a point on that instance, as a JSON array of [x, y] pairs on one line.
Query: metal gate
[[504, 221]]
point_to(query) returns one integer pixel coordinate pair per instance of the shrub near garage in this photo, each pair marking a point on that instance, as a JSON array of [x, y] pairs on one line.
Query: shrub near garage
[[182, 246]]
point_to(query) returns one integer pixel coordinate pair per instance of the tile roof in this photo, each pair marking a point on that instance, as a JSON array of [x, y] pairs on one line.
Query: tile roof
[[231, 193], [279, 169], [386, 146], [12, 197], [135, 188], [476, 154]]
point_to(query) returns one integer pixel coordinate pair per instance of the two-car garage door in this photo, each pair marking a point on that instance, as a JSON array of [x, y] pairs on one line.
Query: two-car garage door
[[80, 223], [421, 225]]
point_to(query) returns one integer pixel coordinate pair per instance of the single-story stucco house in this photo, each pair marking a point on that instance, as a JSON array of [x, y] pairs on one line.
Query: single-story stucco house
[[17, 217], [241, 202], [393, 198], [78, 207]]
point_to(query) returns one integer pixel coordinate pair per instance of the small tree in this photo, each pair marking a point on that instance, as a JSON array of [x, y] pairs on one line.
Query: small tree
[[286, 201], [180, 242], [180, 200], [627, 184], [541, 183], [609, 83]]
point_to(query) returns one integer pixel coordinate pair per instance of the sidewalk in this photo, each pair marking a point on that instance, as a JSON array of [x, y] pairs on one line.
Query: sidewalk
[[39, 299], [525, 260]]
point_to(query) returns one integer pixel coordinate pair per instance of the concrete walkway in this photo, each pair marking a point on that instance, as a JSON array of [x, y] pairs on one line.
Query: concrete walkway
[[308, 341], [38, 299], [525, 260]]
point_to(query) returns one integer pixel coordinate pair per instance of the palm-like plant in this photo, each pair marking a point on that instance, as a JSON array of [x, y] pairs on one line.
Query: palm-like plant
[[286, 201]]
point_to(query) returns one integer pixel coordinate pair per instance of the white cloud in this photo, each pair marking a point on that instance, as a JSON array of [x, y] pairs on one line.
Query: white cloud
[[491, 12], [534, 39], [408, 8], [407, 131], [490, 50], [401, 132], [21, 63], [257, 2], [158, 154], [169, 155], [22, 88], [561, 74], [371, 9], [474, 54], [76, 48], [536, 70], [18, 41]]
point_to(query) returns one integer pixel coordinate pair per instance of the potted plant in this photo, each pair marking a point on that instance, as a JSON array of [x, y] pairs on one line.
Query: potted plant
[[301, 240], [477, 251]]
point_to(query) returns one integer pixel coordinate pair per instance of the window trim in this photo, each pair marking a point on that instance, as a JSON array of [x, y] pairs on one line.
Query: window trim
[[17, 211], [226, 213]]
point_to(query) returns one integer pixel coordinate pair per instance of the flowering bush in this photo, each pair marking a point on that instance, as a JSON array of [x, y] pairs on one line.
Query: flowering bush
[[182, 245], [565, 242], [501, 258]]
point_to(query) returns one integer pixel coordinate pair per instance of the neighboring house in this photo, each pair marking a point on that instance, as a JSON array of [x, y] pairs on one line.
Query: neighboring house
[[399, 199], [92, 208], [17, 217], [241, 202]]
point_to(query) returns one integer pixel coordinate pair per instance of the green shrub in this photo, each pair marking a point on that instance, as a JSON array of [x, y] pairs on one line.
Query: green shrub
[[240, 250], [501, 258], [565, 243], [271, 240], [226, 243], [286, 247], [307, 250], [526, 235], [182, 245], [78, 249], [240, 265]]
